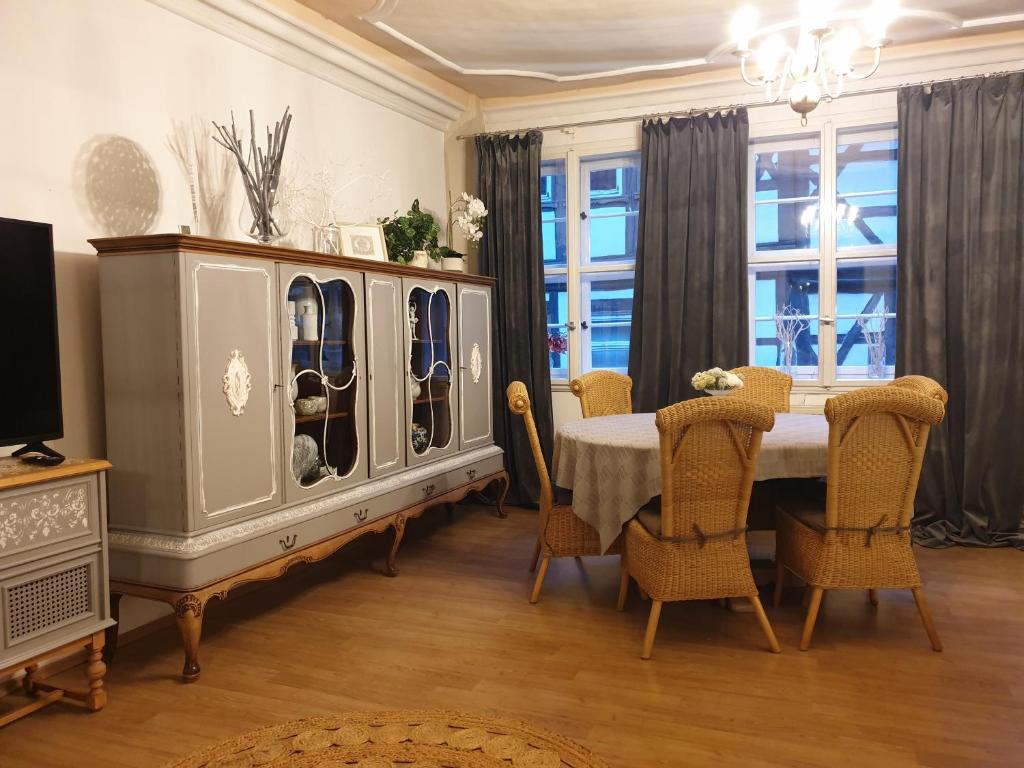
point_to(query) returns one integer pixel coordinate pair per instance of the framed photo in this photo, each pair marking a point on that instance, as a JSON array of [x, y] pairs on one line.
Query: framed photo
[[363, 241]]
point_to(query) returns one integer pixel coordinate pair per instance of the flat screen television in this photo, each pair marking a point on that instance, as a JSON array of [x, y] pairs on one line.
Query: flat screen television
[[30, 408]]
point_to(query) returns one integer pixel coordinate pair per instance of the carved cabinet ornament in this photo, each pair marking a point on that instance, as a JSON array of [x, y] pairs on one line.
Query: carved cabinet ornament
[[237, 383], [476, 363]]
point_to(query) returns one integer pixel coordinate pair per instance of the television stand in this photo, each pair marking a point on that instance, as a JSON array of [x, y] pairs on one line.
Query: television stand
[[38, 453]]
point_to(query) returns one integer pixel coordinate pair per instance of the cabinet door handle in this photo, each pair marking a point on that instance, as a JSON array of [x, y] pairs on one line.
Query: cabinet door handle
[[428, 490], [360, 514], [471, 474], [288, 541]]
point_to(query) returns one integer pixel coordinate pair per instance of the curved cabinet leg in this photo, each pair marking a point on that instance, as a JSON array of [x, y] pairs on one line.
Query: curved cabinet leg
[[95, 671], [391, 568], [188, 611], [110, 642], [502, 493]]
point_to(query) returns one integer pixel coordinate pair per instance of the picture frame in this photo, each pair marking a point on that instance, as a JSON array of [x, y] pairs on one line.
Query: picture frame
[[363, 241]]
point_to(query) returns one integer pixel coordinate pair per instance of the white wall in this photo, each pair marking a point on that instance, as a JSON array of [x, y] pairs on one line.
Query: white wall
[[89, 92]]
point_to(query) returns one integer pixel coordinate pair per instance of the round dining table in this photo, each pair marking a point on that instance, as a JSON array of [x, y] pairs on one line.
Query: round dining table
[[612, 464]]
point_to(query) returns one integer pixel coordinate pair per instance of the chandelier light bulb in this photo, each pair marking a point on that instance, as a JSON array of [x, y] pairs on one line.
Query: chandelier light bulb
[[879, 16], [815, 14], [770, 56], [840, 50], [743, 27]]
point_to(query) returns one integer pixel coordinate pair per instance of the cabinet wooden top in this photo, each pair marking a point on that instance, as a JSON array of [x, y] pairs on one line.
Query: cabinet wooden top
[[111, 246], [15, 473]]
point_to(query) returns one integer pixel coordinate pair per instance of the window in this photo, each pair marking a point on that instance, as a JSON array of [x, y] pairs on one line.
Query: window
[[822, 269], [588, 269]]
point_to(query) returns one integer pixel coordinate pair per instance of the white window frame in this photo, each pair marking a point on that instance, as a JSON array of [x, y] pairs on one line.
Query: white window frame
[[826, 131], [578, 296]]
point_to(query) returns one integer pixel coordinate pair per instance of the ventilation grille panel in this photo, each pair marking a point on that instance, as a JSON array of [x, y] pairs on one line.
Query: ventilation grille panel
[[48, 602]]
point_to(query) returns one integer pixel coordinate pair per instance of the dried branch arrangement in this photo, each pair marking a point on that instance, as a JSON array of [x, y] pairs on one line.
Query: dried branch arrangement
[[788, 326], [873, 328], [261, 171]]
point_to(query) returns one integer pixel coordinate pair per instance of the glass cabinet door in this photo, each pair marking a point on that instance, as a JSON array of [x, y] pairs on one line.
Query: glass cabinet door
[[431, 398], [323, 400]]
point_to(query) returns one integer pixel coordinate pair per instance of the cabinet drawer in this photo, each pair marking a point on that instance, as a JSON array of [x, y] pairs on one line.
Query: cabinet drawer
[[34, 522], [54, 602]]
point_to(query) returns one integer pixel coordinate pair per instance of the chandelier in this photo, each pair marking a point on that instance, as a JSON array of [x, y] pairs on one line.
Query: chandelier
[[821, 60]]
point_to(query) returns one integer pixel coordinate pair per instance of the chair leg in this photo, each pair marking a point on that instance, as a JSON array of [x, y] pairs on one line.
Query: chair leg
[[926, 619], [652, 629], [780, 582], [873, 596], [812, 617], [539, 581], [766, 626], [623, 586], [536, 556]]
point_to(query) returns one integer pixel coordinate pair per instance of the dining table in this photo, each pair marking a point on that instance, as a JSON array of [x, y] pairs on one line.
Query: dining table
[[612, 464]]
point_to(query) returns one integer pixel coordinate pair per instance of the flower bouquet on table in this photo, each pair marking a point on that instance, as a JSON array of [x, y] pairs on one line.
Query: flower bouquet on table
[[715, 381]]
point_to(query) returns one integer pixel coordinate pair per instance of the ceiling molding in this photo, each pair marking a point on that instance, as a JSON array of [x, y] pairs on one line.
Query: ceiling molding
[[385, 8], [268, 29], [901, 65]]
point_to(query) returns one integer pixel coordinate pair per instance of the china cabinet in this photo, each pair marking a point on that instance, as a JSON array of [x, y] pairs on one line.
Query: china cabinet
[[266, 405]]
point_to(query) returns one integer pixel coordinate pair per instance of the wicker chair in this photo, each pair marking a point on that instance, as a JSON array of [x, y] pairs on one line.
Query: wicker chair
[[766, 386], [859, 538], [603, 393], [694, 546], [561, 533]]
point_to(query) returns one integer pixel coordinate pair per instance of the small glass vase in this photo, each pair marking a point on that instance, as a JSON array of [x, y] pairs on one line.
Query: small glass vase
[[327, 239], [876, 361]]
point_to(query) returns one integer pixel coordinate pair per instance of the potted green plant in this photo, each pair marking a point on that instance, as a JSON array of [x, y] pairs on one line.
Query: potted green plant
[[467, 213], [411, 237]]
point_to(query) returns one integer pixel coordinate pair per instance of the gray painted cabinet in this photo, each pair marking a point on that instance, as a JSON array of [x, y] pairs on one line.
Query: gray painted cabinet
[[221, 357]]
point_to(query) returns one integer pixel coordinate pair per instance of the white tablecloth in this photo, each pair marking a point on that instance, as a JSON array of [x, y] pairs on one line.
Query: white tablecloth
[[613, 467]]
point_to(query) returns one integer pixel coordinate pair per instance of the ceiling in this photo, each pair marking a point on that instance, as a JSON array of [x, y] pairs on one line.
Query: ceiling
[[499, 48]]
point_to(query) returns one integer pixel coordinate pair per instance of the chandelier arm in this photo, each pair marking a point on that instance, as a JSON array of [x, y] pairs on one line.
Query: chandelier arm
[[746, 78], [828, 89], [874, 66], [782, 87]]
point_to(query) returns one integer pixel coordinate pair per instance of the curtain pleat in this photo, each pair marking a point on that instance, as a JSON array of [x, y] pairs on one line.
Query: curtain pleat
[[512, 252], [960, 313], [690, 295]]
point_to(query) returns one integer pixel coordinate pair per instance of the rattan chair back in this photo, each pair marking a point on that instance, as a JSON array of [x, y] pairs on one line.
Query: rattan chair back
[[519, 402], [709, 449], [924, 385], [766, 386], [603, 393], [876, 444]]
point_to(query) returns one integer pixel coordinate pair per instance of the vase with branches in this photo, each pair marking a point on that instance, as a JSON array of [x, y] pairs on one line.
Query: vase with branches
[[789, 324], [873, 329]]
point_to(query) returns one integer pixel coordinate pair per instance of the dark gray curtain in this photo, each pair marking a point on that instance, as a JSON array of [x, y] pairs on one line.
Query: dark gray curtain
[[690, 299], [960, 315], [512, 251]]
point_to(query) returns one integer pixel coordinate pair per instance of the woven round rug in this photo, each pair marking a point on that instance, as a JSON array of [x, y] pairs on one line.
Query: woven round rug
[[426, 739]]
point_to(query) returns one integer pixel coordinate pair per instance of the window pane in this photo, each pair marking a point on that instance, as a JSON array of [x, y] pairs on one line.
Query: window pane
[[786, 226], [607, 309], [610, 201], [865, 166], [787, 173], [552, 211], [866, 319], [791, 290], [866, 220], [557, 301]]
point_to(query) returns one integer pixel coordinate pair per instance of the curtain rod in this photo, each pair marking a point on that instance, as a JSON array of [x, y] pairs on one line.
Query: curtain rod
[[719, 108]]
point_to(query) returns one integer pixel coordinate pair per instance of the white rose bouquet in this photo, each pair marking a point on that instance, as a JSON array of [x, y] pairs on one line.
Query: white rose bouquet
[[715, 380]]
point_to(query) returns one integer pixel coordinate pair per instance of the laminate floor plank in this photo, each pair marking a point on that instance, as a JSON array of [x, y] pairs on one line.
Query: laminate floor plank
[[455, 630]]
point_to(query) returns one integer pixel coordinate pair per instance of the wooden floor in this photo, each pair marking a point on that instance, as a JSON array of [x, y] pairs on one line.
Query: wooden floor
[[454, 630]]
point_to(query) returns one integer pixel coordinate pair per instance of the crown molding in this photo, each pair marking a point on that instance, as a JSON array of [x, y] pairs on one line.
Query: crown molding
[[722, 87], [262, 26]]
